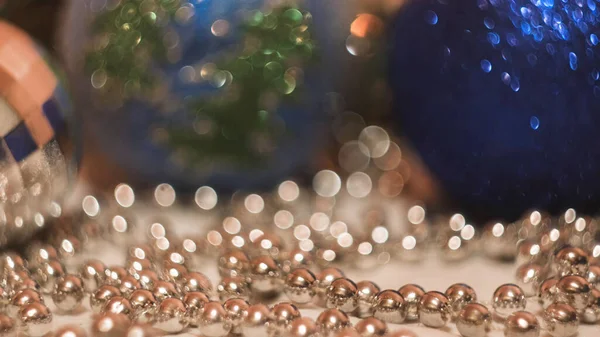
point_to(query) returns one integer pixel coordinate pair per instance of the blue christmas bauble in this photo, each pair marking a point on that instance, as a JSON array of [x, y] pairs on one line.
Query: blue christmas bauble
[[501, 99], [196, 34]]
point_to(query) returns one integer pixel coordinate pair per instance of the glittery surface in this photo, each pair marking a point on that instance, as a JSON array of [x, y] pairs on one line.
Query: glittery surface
[[501, 98]]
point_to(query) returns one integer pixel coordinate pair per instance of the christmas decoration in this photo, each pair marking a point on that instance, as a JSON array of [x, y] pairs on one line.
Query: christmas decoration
[[501, 99], [197, 92], [34, 168]]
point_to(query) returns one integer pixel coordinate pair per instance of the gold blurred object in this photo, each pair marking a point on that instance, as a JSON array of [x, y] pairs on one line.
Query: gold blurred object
[[386, 7], [367, 25]]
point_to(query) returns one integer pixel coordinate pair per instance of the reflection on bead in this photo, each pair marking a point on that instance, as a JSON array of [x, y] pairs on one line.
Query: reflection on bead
[[110, 325], [233, 287], [434, 309], [303, 327], [114, 274], [389, 307], [342, 294], [332, 320], [118, 305], [47, 274], [548, 292], [147, 278], [237, 311], [173, 272], [163, 290], [561, 320], [135, 265], [233, 263], [474, 320], [412, 294], [570, 261], [70, 331], [593, 276], [143, 304], [196, 281], [68, 293], [529, 251], [324, 279], [213, 320], [128, 285], [574, 290], [92, 273], [170, 316], [297, 258], [12, 262], [40, 253], [99, 298], [521, 324], [36, 319], [367, 291], [591, 314], [347, 332], [459, 295], [529, 276], [257, 321], [143, 330], [371, 327], [23, 298], [266, 276], [282, 315], [499, 241], [507, 299], [300, 285]]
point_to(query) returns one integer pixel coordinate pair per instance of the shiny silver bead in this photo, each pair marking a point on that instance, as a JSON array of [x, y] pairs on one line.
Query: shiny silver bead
[[571, 261], [36, 319], [402, 333], [237, 311], [135, 265], [282, 315], [434, 309], [459, 295], [233, 287], [591, 314], [173, 272], [147, 278], [521, 324], [195, 281], [213, 320], [7, 325], [548, 292], [118, 305], [110, 325], [40, 253], [194, 302], [574, 290], [561, 320], [233, 263], [342, 294], [499, 241], [28, 283], [163, 290], [529, 277], [366, 292], [412, 294], [170, 316], [296, 258], [70, 331], [529, 251], [143, 304], [257, 321], [347, 332], [99, 298], [593, 276], [47, 274], [12, 262], [140, 251], [331, 321], [68, 293], [68, 247], [474, 320], [303, 327], [389, 307], [23, 298], [92, 274], [266, 276], [14, 278], [507, 299], [114, 274], [300, 285], [269, 244], [128, 285], [371, 327], [324, 279]]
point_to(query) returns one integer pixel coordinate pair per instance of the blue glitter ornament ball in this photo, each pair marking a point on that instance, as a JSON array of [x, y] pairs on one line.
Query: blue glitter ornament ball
[[501, 98]]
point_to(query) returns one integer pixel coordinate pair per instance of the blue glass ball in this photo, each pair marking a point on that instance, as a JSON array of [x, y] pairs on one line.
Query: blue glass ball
[[501, 99]]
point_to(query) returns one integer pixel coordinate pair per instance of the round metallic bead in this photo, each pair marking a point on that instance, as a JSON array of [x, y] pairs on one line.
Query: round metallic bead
[[347, 332], [548, 292], [213, 320], [148, 279], [529, 277], [47, 274], [282, 315], [266, 276], [434, 309], [269, 244], [507, 299], [474, 320], [135, 265], [521, 324], [92, 273], [194, 302], [101, 296], [237, 311], [332, 320], [402, 333], [68, 247], [389, 307], [412, 294], [23, 298], [14, 278], [70, 331], [164, 289], [7, 325], [529, 251], [128, 285], [173, 272], [12, 262], [591, 314], [303, 327], [36, 319], [40, 253], [300, 285], [459, 295], [324, 279], [233, 263], [114, 274], [233, 287], [195, 281], [296, 258], [170, 316], [118, 305], [593, 275], [27, 283], [574, 290], [342, 294], [561, 320], [371, 327], [68, 293], [366, 292], [110, 325], [499, 241], [257, 321], [570, 261], [143, 304], [140, 251]]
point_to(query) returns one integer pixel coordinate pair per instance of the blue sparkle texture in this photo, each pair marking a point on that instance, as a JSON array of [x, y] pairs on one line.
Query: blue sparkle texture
[[486, 66], [534, 122]]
